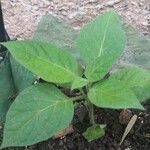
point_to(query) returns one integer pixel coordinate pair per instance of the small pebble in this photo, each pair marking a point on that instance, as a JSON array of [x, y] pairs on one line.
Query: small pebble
[[125, 116]]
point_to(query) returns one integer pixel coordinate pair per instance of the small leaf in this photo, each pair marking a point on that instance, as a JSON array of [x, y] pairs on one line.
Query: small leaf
[[79, 83], [113, 94], [97, 69], [100, 44], [136, 78], [45, 60], [94, 132], [36, 115]]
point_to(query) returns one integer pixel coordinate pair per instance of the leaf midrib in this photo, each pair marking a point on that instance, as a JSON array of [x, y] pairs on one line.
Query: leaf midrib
[[104, 37], [39, 112]]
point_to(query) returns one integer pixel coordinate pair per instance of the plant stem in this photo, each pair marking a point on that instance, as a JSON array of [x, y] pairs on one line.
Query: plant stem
[[90, 107], [91, 113], [78, 98]]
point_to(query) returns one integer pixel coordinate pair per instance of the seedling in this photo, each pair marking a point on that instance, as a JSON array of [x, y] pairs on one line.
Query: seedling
[[41, 110]]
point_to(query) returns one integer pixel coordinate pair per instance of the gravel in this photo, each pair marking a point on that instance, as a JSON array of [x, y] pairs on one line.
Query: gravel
[[22, 16]]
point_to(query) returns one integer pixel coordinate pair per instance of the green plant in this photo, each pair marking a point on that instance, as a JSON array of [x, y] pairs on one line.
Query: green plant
[[41, 110]]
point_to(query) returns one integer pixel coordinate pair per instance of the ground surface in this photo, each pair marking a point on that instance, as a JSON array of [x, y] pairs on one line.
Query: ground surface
[[138, 139], [22, 16]]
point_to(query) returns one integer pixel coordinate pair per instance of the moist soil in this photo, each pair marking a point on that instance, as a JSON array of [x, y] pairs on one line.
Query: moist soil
[[137, 139]]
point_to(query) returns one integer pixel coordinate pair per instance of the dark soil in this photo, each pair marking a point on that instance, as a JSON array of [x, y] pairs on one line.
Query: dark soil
[[137, 139]]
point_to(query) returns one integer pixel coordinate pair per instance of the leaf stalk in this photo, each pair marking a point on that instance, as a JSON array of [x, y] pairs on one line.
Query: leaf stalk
[[78, 98]]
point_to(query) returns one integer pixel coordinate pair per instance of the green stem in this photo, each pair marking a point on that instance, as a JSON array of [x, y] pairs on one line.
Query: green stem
[[91, 113], [90, 107]]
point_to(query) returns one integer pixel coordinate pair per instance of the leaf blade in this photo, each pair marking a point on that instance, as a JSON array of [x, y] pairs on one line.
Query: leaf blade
[[36, 115], [113, 94], [100, 40], [137, 79], [79, 83], [94, 132], [132, 76], [45, 60]]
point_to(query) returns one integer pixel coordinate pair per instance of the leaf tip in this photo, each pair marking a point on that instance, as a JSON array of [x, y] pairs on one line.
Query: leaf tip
[[79, 83], [94, 132]]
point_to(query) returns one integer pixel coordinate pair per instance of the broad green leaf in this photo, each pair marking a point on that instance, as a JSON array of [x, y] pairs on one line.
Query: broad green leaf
[[97, 69], [113, 94], [54, 30], [22, 76], [101, 43], [36, 115], [132, 76], [79, 83], [45, 60], [94, 132], [14, 78], [7, 89], [136, 78]]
